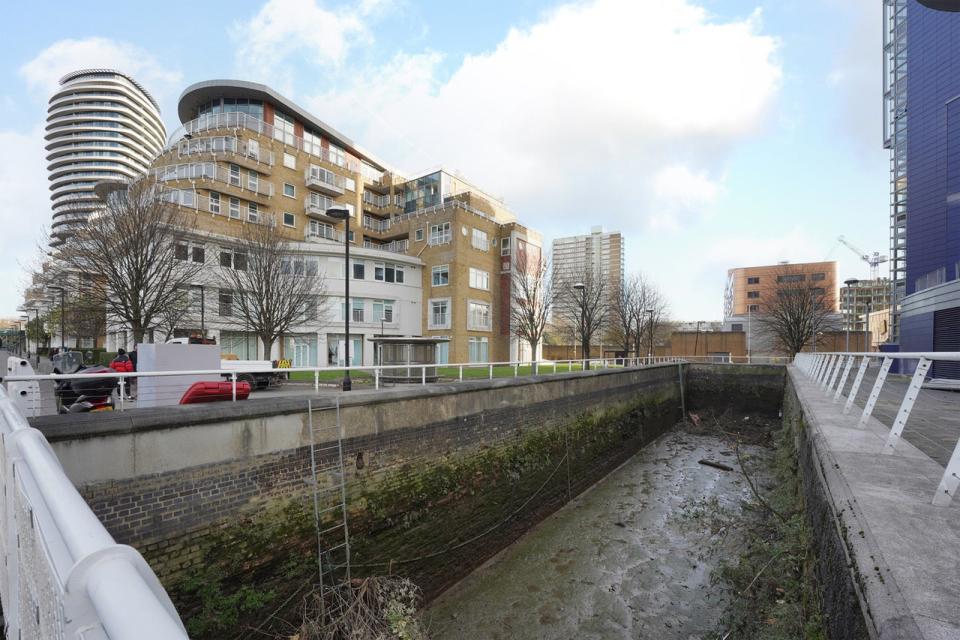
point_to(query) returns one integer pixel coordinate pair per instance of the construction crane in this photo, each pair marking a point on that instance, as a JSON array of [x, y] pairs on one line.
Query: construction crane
[[873, 259]]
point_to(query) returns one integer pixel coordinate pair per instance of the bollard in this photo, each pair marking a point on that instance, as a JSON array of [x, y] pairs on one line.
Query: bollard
[[461, 373], [233, 385]]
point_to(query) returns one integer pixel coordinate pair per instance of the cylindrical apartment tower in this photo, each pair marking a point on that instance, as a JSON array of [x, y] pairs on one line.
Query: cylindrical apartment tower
[[101, 125]]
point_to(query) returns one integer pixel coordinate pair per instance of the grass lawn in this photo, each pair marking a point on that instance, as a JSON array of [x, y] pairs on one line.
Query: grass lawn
[[472, 372], [328, 376]]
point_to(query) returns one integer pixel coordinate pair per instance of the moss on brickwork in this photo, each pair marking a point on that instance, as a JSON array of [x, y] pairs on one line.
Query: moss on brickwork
[[430, 519]]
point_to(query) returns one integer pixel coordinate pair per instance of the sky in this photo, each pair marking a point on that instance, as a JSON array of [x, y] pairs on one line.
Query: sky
[[711, 133]]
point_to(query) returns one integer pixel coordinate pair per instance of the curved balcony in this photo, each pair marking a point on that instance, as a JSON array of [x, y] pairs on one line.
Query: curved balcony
[[324, 181]]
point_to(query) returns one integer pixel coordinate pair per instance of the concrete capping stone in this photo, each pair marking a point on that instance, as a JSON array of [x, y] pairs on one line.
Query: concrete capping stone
[[884, 607], [58, 428]]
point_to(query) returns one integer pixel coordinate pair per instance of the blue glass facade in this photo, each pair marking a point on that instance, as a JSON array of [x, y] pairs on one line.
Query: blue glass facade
[[933, 173]]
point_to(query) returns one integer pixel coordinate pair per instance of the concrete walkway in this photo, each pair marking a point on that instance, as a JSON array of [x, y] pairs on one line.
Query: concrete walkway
[[905, 551]]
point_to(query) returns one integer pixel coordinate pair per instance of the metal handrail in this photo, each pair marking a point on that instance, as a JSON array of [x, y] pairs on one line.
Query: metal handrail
[[98, 583], [824, 369]]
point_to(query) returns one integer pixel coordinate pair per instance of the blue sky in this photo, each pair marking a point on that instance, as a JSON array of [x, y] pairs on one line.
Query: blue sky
[[712, 133]]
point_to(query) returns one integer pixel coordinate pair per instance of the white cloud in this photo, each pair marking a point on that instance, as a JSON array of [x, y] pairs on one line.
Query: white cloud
[[286, 27], [682, 196], [43, 73], [24, 194], [24, 211], [585, 108]]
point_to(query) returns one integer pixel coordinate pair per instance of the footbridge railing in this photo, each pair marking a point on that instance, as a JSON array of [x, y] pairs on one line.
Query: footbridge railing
[[64, 577], [864, 383]]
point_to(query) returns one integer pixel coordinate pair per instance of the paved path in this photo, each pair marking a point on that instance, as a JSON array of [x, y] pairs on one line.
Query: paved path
[[906, 550], [934, 423]]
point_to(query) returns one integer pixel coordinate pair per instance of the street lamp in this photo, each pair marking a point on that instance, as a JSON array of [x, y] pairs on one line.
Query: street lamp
[[63, 338], [36, 330], [650, 352], [583, 329], [344, 214], [850, 283]]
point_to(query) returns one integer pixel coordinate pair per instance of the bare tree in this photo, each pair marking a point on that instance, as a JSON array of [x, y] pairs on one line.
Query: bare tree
[[648, 312], [532, 296], [584, 307], [624, 305], [793, 311], [270, 287], [129, 250], [175, 314]]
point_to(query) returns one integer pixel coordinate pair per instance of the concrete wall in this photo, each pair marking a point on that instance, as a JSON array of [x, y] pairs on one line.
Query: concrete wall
[[424, 464]]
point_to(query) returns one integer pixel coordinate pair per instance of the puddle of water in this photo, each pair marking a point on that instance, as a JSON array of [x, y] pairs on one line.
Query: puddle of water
[[631, 558]]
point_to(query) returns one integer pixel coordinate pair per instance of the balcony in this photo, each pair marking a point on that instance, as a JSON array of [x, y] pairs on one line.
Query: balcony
[[316, 207], [324, 181], [375, 224], [236, 148], [322, 232], [201, 171], [397, 246]]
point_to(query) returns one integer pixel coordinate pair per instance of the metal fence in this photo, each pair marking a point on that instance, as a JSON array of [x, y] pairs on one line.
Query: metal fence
[[928, 417], [64, 576], [35, 394]]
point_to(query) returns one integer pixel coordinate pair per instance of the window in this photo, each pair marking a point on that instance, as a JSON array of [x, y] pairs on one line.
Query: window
[[283, 128], [818, 291], [796, 277], [235, 175], [226, 303], [753, 280], [388, 272], [253, 212], [233, 259], [817, 277], [289, 160], [440, 233], [358, 270], [443, 352], [310, 310], [197, 254], [312, 266], [505, 246], [480, 240], [253, 149], [180, 251], [479, 349], [289, 190], [357, 308], [214, 202], [753, 307], [439, 317], [441, 275], [478, 316], [479, 279], [235, 208], [383, 310], [253, 180], [418, 235], [753, 294], [289, 220], [736, 326]]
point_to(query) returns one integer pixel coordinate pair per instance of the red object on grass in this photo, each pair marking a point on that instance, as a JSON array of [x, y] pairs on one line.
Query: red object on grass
[[214, 392]]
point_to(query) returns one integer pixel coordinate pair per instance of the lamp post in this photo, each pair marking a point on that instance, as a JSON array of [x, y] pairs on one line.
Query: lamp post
[[24, 335], [650, 330], [63, 338], [583, 321], [36, 331], [344, 214], [850, 283]]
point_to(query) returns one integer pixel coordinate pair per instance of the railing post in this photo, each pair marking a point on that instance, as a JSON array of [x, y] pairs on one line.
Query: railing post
[[875, 392], [856, 384], [909, 398], [843, 378], [376, 378], [316, 381], [817, 365], [491, 372], [825, 373], [516, 370], [233, 385], [123, 391], [423, 374], [461, 373], [950, 480], [836, 372]]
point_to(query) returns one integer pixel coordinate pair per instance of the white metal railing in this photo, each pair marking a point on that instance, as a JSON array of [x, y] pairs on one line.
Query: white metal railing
[[831, 371], [64, 576], [395, 246], [443, 206], [190, 199], [230, 145], [320, 177], [210, 171], [36, 403], [376, 224], [376, 200], [234, 120]]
